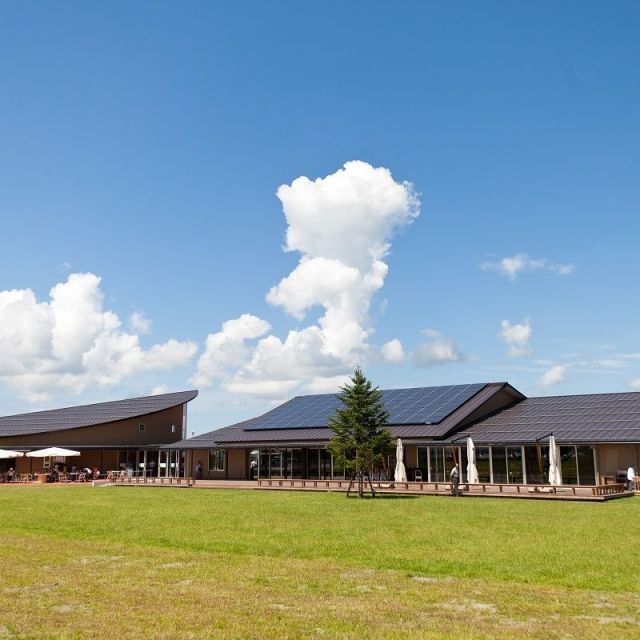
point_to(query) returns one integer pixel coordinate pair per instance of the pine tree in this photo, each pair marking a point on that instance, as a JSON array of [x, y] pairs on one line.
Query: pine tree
[[361, 439]]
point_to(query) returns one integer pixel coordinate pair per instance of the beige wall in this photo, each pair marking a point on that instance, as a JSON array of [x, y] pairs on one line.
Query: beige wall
[[411, 457], [237, 464], [616, 457]]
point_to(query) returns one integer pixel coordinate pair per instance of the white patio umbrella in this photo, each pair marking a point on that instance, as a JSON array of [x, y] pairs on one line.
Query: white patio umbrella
[[7, 453], [401, 473], [53, 452], [554, 469], [472, 470]]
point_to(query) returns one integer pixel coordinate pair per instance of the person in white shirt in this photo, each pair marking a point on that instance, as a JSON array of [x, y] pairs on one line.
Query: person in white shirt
[[631, 478]]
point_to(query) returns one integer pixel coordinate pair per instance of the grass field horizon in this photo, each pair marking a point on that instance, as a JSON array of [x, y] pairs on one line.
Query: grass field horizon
[[140, 562]]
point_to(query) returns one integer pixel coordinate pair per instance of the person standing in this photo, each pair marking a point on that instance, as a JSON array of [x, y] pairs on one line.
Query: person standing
[[631, 478], [198, 470], [455, 480]]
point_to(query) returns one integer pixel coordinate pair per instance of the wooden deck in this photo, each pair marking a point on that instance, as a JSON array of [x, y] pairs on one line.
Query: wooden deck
[[595, 493]]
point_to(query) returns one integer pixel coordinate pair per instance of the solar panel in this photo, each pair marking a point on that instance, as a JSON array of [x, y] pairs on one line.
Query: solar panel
[[424, 405]]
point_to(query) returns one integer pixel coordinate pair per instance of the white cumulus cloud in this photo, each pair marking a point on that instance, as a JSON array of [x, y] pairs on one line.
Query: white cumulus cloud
[[635, 384], [516, 337], [437, 349], [342, 226], [511, 266], [392, 351], [139, 323], [554, 375], [70, 342]]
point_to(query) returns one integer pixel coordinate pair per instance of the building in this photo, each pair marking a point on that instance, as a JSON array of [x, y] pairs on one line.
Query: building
[[120, 435], [597, 436]]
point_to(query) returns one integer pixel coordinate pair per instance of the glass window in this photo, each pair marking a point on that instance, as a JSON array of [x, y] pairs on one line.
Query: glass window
[[449, 460], [325, 464], [254, 464], [263, 468], [464, 461], [338, 469], [436, 464], [275, 463], [568, 465], [216, 460], [536, 461], [483, 463], [297, 464], [423, 462], [142, 427], [514, 465], [313, 465], [499, 464], [586, 465]]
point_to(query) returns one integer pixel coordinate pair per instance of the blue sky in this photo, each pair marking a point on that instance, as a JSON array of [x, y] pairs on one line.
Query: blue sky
[[144, 143]]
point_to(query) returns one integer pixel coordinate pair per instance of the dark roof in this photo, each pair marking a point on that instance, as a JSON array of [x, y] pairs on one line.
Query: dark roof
[[249, 434], [90, 414], [593, 418]]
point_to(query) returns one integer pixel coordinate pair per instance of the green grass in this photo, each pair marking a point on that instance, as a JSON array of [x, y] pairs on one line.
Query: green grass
[[126, 562]]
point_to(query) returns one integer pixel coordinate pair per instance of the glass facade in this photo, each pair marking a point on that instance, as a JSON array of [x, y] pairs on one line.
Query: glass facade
[[536, 460], [483, 463], [498, 464], [586, 465], [577, 465], [515, 470], [569, 465], [423, 462], [436, 464], [216, 460]]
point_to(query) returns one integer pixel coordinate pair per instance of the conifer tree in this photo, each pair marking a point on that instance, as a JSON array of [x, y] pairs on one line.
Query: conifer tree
[[361, 439]]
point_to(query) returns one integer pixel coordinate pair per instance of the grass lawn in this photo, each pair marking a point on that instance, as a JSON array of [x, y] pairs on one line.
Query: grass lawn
[[135, 562]]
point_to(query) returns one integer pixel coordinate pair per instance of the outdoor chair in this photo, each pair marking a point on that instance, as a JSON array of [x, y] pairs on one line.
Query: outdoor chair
[[417, 476]]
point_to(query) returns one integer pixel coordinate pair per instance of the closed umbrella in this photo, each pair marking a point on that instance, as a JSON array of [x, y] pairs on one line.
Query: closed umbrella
[[554, 469], [7, 453], [53, 452], [472, 470], [401, 473]]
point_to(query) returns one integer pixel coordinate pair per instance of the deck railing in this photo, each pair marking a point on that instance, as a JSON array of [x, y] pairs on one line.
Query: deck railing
[[441, 487], [187, 482]]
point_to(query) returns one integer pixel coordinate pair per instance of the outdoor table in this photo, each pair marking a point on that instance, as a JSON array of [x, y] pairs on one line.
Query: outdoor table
[[42, 478]]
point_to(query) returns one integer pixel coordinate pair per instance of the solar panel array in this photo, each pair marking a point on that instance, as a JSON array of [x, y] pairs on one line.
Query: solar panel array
[[424, 405]]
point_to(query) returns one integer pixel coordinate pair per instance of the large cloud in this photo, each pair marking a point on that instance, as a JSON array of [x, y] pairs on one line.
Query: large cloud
[[342, 226], [70, 341]]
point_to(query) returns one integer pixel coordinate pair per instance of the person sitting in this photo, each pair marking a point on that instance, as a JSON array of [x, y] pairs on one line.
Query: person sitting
[[96, 473]]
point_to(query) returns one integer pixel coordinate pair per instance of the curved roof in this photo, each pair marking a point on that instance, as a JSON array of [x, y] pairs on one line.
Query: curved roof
[[89, 415]]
